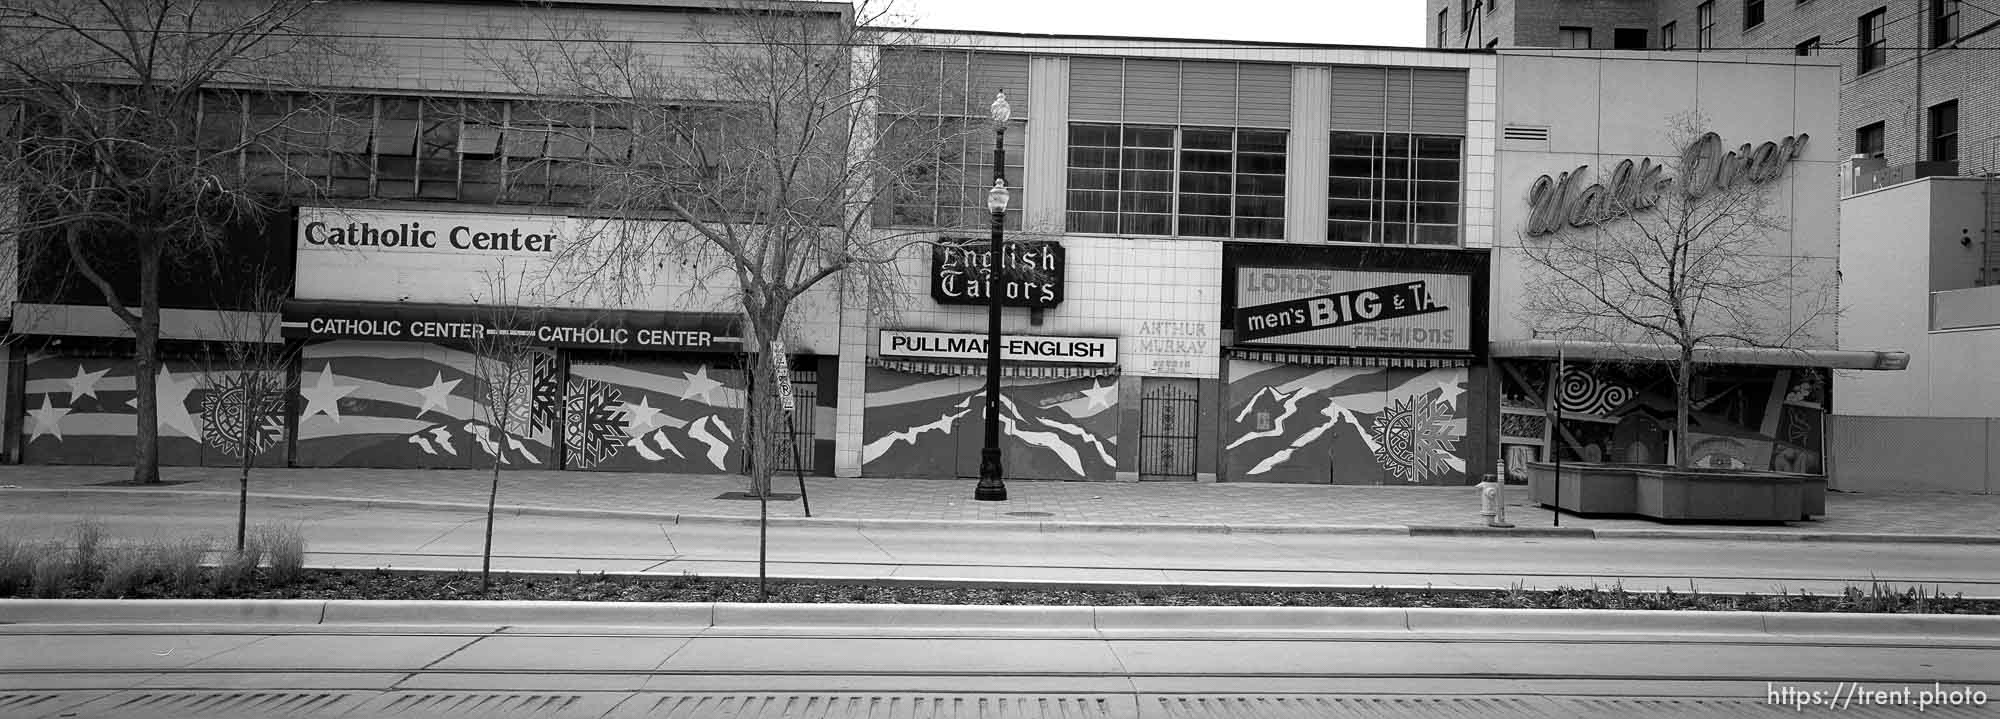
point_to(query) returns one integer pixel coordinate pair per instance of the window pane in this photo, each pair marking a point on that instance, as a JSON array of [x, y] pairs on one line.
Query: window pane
[[1098, 135], [1093, 179], [1396, 168], [1205, 162], [1147, 224], [1206, 139], [1347, 231], [1260, 229], [1205, 205], [1209, 183], [1261, 164], [1093, 201], [1438, 147], [1146, 202], [1149, 137], [1349, 209], [1436, 213], [1261, 184], [1253, 141], [1437, 169], [1092, 157], [1149, 159], [1355, 143], [1394, 145], [1437, 191], [1351, 166], [1393, 211], [1093, 222], [1436, 235], [1204, 226], [1260, 206], [1149, 181], [1339, 187], [1394, 234]]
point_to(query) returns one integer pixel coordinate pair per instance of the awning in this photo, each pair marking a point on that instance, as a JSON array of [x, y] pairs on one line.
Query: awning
[[1025, 371], [1761, 356], [1338, 359]]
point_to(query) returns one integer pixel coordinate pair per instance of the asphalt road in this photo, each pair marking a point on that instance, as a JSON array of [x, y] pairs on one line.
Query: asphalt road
[[921, 671], [352, 535]]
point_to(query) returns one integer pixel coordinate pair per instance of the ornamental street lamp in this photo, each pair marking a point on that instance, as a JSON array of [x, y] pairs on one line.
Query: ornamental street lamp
[[991, 487]]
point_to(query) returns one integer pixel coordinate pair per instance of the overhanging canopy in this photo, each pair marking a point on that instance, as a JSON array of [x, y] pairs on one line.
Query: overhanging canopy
[[1030, 371], [1765, 356]]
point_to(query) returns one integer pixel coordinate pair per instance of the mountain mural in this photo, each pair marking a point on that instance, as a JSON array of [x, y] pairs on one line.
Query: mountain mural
[[1344, 425], [410, 404], [933, 427]]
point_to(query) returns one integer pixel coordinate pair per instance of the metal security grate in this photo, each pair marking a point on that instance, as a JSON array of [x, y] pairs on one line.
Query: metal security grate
[[858, 706], [1168, 422]]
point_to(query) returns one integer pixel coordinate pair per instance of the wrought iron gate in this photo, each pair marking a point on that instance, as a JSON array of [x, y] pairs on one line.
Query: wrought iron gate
[[1167, 428], [805, 394]]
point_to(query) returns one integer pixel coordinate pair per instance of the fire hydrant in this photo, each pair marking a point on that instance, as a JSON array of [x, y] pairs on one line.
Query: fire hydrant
[[1493, 501]]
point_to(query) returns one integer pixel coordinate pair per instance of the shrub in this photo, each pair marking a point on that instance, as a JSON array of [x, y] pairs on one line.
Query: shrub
[[285, 543], [127, 568], [87, 538], [53, 570], [180, 563], [17, 567], [237, 568]]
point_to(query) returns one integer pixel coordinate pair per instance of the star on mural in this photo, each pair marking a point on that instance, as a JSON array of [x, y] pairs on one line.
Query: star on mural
[[48, 420], [171, 406], [84, 384], [435, 396], [641, 417], [1100, 397], [324, 396], [1448, 391], [698, 383]]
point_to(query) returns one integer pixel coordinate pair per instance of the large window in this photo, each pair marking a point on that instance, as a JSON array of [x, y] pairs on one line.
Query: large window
[[1160, 180], [1443, 19], [1394, 188], [1704, 25], [1667, 36], [1871, 43], [1807, 48], [1628, 38], [937, 143], [1573, 37], [1944, 22], [1753, 13], [1944, 131], [1868, 140]]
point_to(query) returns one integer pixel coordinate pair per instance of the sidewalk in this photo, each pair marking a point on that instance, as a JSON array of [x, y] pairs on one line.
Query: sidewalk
[[1195, 507]]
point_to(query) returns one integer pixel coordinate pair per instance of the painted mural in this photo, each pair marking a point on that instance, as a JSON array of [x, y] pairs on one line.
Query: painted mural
[[1743, 417], [919, 425], [653, 415], [410, 404], [1344, 425], [81, 410]]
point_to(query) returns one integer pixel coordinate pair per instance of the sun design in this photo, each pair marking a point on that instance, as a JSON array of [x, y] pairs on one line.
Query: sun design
[[222, 415], [1414, 438]]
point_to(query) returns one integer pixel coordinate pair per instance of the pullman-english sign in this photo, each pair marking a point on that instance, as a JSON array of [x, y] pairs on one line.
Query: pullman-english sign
[[1630, 187], [1031, 273], [1013, 348]]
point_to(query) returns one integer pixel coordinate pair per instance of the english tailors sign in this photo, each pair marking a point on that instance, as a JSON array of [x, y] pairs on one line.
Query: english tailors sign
[[1031, 273], [1353, 308], [1565, 200]]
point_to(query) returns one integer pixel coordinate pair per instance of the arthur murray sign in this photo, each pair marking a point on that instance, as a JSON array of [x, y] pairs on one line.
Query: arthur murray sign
[[1565, 200]]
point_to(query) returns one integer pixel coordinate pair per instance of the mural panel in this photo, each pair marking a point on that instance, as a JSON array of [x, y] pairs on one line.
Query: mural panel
[[81, 410], [409, 404], [1344, 425], [653, 415], [919, 425]]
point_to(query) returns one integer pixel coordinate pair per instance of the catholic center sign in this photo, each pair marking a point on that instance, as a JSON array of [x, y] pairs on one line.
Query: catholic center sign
[[1031, 273]]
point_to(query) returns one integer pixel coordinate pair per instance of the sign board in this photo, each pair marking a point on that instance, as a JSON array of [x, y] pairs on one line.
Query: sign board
[[783, 363], [657, 331], [1031, 273], [1353, 308], [1013, 348]]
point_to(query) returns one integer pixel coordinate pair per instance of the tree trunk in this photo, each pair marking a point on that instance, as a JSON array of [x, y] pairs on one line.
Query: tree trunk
[[146, 340], [761, 409], [1683, 406], [252, 394]]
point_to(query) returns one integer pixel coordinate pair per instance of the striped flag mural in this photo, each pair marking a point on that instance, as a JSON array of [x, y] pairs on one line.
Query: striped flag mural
[[410, 404], [81, 410]]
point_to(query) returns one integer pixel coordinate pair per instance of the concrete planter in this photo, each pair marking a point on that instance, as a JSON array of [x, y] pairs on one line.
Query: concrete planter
[[1666, 493]]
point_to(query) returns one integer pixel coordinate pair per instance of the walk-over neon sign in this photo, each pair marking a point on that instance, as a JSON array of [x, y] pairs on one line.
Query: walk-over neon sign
[[1630, 187]]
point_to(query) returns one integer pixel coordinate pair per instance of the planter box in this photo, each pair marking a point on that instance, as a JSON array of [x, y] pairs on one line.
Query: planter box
[[1667, 493]]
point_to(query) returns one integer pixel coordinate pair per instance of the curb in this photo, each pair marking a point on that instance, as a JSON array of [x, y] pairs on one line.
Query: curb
[[1472, 530], [722, 615]]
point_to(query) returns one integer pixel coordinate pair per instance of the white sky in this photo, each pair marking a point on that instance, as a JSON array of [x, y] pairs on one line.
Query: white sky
[[1338, 22]]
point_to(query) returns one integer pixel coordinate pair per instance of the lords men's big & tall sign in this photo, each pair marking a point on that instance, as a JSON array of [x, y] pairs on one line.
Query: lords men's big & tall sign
[[1353, 308], [1630, 187], [1031, 273]]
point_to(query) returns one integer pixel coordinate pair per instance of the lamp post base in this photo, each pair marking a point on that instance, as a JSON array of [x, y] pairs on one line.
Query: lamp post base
[[990, 489]]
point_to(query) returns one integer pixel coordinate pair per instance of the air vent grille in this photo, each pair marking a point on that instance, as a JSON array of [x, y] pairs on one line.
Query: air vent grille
[[1525, 133]]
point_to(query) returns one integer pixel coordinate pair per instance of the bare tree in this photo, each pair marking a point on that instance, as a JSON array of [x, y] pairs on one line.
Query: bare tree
[[248, 376], [1689, 253], [747, 159], [125, 157], [503, 363]]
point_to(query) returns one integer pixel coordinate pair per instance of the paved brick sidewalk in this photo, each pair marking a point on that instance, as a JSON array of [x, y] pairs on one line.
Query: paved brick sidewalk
[[1176, 503]]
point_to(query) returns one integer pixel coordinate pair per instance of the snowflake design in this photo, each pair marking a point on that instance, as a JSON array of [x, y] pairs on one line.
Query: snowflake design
[[547, 393], [594, 422], [222, 414], [1413, 438]]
